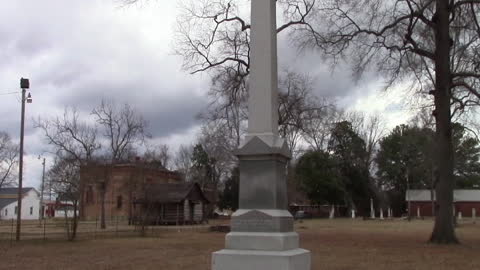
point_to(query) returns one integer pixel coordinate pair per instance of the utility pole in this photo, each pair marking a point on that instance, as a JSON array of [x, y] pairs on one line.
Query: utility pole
[[42, 210], [24, 84]]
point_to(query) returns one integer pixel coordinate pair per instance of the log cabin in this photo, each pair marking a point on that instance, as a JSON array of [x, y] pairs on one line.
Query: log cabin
[[171, 203]]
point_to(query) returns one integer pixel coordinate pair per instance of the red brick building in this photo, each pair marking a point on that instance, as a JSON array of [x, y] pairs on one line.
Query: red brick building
[[465, 200], [118, 186]]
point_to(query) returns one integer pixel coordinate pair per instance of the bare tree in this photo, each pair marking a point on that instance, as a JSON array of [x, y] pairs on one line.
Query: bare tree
[[219, 146], [319, 122], [296, 101], [423, 118], [69, 136], [213, 36], [8, 160], [159, 153], [213, 160], [73, 141], [296, 104], [64, 179], [371, 129], [78, 140], [183, 161], [432, 43], [122, 128], [231, 110]]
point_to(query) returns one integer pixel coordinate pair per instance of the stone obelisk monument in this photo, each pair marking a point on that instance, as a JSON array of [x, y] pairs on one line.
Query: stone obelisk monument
[[262, 235]]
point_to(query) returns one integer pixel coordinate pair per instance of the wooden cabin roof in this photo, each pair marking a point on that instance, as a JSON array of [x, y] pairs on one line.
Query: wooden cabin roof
[[173, 193]]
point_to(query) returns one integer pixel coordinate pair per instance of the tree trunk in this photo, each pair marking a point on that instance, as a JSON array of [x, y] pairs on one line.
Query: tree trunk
[[130, 203], [143, 230], [102, 206], [443, 230], [67, 225], [74, 222]]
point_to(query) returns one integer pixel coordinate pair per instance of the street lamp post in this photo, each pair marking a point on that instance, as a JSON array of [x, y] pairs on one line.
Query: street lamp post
[[24, 84]]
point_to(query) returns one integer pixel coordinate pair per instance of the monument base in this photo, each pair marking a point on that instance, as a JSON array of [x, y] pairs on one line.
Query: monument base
[[261, 241], [232, 259]]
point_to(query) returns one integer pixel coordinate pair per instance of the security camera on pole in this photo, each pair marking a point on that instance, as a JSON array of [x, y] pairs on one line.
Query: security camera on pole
[[24, 84]]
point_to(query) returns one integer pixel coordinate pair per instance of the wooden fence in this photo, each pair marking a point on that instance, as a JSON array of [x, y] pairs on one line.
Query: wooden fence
[[56, 229]]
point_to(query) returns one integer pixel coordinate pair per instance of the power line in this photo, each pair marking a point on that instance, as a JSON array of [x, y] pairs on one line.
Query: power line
[[9, 93]]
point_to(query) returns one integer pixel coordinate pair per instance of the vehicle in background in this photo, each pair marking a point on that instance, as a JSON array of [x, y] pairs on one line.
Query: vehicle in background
[[302, 215]]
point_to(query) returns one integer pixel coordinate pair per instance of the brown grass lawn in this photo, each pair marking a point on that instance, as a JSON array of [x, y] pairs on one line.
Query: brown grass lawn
[[335, 244]]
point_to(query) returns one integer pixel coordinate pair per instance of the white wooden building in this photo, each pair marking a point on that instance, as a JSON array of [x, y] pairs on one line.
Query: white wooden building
[[30, 203]]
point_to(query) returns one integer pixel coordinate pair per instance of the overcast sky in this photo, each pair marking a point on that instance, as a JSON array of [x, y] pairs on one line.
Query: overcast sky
[[77, 52]]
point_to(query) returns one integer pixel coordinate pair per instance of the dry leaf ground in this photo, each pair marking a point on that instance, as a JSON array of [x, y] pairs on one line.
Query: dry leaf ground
[[335, 244]]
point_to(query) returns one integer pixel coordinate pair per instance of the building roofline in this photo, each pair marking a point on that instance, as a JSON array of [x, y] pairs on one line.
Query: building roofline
[[459, 195], [143, 165]]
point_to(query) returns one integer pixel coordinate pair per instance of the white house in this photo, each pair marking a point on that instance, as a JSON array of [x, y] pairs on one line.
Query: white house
[[30, 203]]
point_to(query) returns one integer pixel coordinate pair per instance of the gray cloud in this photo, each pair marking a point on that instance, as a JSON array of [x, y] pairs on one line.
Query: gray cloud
[[328, 81], [76, 53]]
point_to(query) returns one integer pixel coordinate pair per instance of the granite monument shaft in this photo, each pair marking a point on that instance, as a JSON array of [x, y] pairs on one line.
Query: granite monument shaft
[[262, 235]]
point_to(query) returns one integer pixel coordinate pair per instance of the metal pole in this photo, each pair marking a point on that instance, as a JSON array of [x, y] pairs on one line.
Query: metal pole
[[20, 169], [42, 210]]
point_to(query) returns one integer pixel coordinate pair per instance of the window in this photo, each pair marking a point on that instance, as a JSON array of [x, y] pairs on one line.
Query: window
[[119, 202], [16, 210], [6, 212], [31, 211]]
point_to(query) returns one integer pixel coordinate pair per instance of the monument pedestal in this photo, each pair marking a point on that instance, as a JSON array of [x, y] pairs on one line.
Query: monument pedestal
[[262, 235], [236, 259]]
